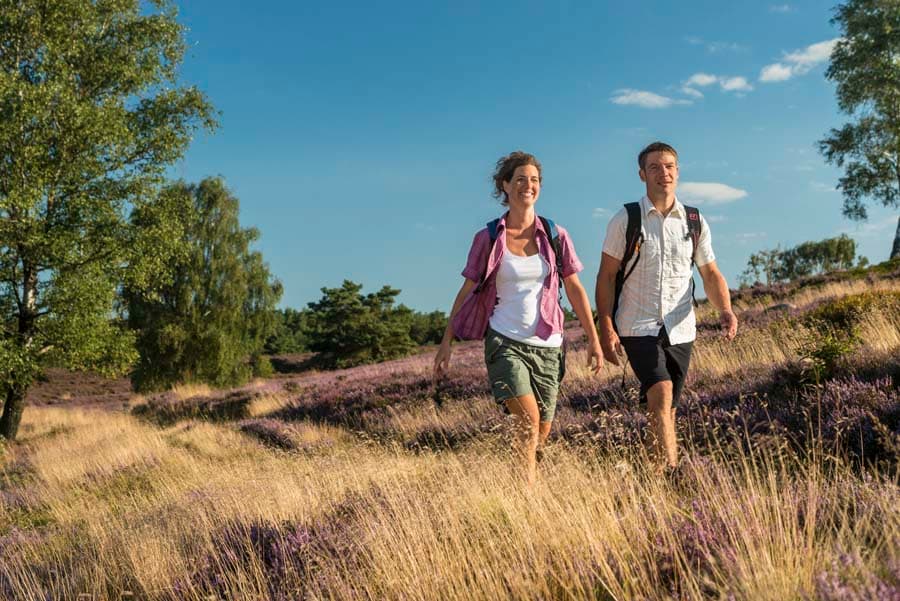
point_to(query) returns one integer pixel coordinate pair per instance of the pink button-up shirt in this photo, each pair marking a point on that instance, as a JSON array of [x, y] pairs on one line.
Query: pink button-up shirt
[[482, 254]]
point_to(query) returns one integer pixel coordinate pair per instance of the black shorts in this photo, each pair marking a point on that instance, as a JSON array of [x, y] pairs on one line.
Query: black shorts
[[654, 359]]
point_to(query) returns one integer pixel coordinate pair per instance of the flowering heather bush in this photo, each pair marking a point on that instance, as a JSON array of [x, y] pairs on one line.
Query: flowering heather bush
[[349, 397], [270, 432], [295, 561], [849, 579], [61, 386], [166, 408], [703, 542], [849, 413], [280, 435]]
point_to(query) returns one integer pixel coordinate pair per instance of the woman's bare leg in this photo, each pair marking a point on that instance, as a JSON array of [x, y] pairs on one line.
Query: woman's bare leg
[[528, 427]]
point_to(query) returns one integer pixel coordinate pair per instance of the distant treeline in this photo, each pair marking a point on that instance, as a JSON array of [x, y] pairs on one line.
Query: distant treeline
[[805, 259], [346, 327]]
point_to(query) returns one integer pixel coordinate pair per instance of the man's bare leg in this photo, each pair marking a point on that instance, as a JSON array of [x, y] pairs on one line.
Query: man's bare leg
[[662, 422]]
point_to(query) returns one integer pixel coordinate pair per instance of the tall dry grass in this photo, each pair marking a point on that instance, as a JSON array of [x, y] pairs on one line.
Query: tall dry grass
[[106, 505]]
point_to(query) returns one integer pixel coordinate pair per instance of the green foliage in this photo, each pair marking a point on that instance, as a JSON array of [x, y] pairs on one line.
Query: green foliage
[[348, 328], [834, 328], [91, 114], [291, 333], [209, 322], [865, 65], [805, 259], [294, 332], [764, 263], [845, 314], [824, 351], [427, 328], [261, 367]]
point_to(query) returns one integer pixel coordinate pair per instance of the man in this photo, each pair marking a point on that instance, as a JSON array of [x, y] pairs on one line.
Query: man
[[654, 321]]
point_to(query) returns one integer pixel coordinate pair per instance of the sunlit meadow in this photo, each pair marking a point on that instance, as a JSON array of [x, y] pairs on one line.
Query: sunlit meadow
[[372, 483]]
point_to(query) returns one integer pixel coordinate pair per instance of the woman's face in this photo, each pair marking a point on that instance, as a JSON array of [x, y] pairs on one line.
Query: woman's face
[[524, 187]]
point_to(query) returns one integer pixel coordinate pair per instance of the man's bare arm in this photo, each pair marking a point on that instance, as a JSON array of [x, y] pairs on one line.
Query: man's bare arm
[[717, 292], [604, 295]]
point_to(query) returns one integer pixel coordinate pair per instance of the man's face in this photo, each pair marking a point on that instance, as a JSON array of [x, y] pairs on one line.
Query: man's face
[[660, 173]]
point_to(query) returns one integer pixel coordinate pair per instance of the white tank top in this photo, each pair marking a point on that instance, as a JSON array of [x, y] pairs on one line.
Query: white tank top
[[520, 283]]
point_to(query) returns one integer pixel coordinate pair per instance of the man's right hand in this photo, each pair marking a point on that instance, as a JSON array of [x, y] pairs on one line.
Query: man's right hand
[[612, 347]]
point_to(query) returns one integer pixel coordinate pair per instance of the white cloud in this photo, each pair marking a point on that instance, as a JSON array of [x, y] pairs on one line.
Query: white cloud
[[600, 212], [715, 218], [775, 72], [701, 79], [735, 84], [781, 8], [812, 55], [709, 193], [641, 98], [728, 84], [798, 62]]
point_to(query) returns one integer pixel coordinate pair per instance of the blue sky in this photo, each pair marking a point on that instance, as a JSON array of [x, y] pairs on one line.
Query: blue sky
[[360, 137]]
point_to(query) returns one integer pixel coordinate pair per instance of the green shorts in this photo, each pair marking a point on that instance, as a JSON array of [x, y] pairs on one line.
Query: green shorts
[[517, 369]]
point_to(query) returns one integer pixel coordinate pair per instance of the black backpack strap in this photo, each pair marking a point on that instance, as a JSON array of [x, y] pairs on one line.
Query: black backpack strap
[[634, 237], [492, 227], [694, 226], [553, 234]]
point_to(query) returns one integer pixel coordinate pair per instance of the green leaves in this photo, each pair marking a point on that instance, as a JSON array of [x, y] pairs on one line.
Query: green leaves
[[802, 260], [91, 114], [348, 328], [865, 65], [203, 311]]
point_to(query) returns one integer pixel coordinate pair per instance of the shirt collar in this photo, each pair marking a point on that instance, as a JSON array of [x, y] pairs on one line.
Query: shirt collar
[[538, 225], [647, 207]]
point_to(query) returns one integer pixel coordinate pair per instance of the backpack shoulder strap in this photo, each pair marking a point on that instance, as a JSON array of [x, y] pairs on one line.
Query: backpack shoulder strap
[[694, 227], [553, 234], [492, 226], [633, 233]]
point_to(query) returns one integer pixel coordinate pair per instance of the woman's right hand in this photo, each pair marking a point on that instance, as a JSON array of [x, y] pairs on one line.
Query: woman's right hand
[[442, 360]]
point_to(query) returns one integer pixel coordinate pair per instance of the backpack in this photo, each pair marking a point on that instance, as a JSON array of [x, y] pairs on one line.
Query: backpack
[[471, 321], [634, 237]]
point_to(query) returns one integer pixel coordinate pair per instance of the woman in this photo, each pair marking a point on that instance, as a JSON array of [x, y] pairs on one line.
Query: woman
[[511, 290]]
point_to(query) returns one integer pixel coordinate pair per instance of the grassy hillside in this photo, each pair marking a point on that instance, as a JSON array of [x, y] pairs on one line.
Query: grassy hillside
[[369, 483]]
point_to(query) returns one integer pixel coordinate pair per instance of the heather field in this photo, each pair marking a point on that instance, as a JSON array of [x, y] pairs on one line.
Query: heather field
[[370, 483]]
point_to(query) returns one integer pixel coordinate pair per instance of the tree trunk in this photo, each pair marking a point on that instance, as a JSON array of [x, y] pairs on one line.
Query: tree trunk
[[13, 407], [895, 252], [14, 403]]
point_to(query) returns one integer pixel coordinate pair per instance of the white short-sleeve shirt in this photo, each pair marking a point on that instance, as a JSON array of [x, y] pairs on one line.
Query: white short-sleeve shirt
[[658, 291]]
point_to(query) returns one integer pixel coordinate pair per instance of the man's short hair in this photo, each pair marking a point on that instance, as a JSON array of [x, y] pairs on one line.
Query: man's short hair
[[655, 147]]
